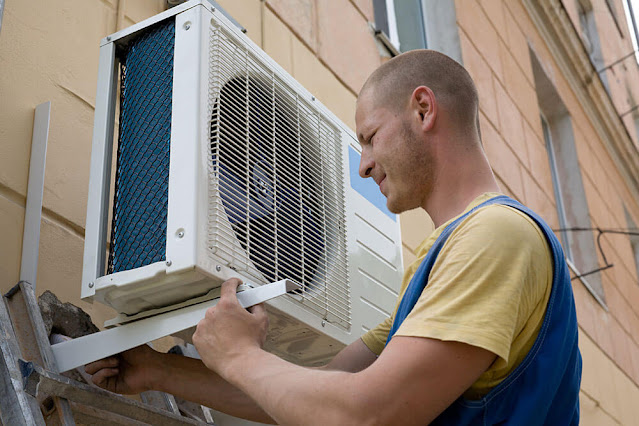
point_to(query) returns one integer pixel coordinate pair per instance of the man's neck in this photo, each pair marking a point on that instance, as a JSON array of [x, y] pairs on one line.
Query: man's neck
[[457, 186]]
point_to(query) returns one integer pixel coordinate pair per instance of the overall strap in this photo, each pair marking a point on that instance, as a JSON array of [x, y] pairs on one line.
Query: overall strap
[[420, 278]]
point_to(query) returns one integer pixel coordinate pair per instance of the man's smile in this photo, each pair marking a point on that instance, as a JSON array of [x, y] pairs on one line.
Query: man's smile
[[380, 184]]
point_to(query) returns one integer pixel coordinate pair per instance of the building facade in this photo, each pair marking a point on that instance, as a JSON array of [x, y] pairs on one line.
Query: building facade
[[558, 88]]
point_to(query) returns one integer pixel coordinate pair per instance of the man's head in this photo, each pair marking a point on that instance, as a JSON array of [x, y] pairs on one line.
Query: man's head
[[393, 83], [407, 110]]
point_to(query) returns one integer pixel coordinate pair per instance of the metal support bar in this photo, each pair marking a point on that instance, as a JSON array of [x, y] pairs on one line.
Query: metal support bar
[[35, 189], [37, 380], [623, 58], [634, 108], [32, 338], [77, 352]]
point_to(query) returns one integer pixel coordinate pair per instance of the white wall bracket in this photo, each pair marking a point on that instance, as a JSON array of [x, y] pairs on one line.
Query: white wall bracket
[[77, 352], [35, 190]]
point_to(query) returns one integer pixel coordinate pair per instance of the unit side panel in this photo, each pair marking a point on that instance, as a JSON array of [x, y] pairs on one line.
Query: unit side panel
[[374, 247], [184, 184]]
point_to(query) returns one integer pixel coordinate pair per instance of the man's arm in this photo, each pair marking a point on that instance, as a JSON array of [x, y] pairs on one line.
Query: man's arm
[[353, 358], [412, 381], [142, 369]]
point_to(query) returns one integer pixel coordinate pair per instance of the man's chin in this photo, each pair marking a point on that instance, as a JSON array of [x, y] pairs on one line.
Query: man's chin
[[398, 208], [394, 208]]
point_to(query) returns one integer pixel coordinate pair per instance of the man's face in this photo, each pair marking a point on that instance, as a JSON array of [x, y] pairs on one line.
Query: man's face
[[392, 154]]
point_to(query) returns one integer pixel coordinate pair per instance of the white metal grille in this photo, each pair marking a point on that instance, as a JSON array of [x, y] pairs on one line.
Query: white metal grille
[[276, 198]]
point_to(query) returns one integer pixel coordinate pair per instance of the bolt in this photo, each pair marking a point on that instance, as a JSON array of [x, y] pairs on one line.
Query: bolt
[[212, 9], [180, 234], [323, 323], [187, 25], [218, 268], [312, 98], [169, 263], [243, 30], [91, 285], [108, 38]]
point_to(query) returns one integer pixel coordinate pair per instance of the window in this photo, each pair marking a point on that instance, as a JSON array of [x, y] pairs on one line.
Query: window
[[570, 197], [634, 239], [613, 12], [401, 23], [632, 26], [561, 210], [590, 38], [633, 111], [404, 25]]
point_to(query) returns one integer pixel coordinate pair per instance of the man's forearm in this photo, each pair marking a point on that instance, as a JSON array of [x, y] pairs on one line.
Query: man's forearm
[[294, 395], [189, 379]]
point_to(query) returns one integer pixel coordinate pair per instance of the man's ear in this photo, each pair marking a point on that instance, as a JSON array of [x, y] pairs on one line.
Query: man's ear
[[424, 104]]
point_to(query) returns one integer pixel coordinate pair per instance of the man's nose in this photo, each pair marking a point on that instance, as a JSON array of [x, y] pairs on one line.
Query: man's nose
[[366, 164]]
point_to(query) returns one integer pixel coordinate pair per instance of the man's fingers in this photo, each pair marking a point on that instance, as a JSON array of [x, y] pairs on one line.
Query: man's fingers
[[96, 366], [101, 376], [229, 289], [258, 310]]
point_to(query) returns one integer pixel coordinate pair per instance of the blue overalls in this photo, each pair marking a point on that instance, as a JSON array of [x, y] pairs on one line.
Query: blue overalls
[[544, 388]]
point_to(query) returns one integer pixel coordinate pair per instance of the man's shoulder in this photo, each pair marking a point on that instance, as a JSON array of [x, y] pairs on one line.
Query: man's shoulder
[[499, 221], [498, 231]]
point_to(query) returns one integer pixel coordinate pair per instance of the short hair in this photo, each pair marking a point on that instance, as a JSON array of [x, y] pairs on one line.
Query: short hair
[[394, 82]]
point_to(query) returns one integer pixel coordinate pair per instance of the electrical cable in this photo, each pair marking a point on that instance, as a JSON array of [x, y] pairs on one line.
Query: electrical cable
[[601, 231]]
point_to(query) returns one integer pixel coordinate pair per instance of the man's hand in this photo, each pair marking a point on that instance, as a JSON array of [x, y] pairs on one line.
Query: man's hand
[[228, 332], [128, 373]]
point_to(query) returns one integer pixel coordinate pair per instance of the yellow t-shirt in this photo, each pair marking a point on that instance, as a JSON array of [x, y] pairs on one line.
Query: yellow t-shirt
[[489, 287]]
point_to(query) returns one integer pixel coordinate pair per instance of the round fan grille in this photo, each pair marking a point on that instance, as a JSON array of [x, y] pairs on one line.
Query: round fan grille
[[266, 163]]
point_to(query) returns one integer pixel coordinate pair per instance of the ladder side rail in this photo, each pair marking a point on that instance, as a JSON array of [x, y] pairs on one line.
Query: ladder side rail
[[39, 380], [32, 339], [16, 407]]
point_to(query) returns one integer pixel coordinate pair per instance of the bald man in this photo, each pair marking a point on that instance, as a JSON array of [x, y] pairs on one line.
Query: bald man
[[484, 331]]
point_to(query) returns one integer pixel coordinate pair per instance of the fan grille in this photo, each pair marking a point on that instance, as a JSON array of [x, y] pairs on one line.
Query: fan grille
[[276, 205]]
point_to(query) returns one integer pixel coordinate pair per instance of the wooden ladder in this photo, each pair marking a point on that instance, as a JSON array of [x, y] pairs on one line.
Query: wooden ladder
[[32, 392]]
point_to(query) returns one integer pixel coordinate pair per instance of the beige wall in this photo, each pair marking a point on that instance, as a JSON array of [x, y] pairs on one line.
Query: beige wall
[[49, 50], [496, 36]]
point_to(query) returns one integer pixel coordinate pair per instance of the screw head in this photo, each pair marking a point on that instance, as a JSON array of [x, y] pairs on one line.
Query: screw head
[[312, 98], [323, 323], [218, 268], [91, 285], [169, 263], [187, 26], [180, 234], [108, 38]]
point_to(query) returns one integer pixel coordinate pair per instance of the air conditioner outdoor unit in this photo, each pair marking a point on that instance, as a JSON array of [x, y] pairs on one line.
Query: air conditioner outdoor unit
[[226, 166]]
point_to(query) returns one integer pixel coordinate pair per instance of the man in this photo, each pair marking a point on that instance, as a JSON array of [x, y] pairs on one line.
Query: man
[[485, 330]]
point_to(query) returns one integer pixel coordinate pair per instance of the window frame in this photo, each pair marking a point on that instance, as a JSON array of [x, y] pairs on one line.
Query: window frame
[[387, 26], [556, 184]]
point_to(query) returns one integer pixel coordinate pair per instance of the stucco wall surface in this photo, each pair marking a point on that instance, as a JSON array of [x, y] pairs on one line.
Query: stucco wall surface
[[496, 39], [49, 51]]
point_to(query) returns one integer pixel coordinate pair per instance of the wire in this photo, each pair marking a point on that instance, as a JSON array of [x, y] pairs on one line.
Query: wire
[[601, 231]]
